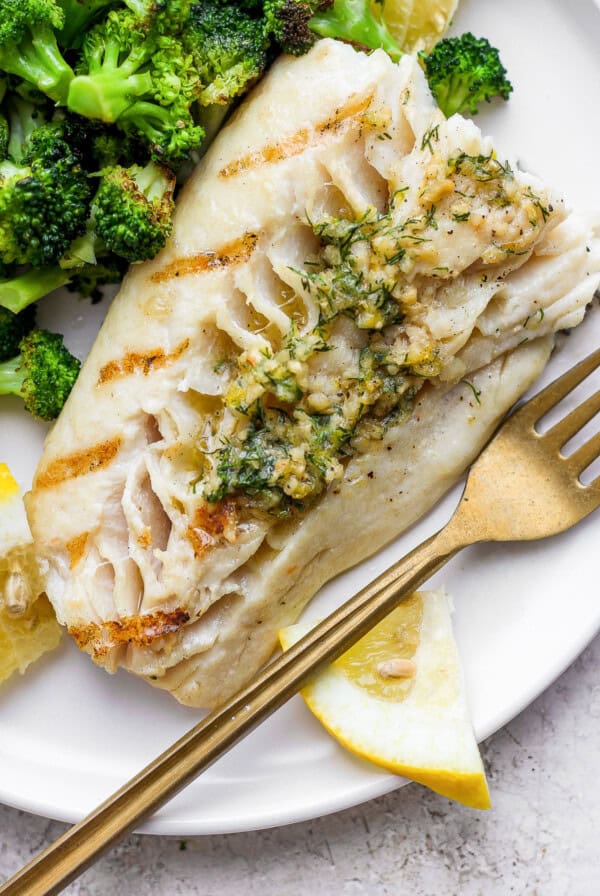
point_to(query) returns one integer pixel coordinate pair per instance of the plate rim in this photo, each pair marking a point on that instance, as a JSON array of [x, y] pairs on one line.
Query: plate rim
[[349, 796]]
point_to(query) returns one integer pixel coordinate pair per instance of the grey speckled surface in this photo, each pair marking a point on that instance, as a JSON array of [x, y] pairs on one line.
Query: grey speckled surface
[[541, 838]]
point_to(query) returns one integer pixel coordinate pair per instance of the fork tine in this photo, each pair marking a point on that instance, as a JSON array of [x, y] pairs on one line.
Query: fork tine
[[556, 391], [585, 455], [566, 428]]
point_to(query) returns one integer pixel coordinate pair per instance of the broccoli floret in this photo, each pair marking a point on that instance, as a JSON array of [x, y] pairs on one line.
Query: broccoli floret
[[287, 22], [80, 271], [44, 200], [102, 146], [20, 291], [229, 50], [28, 45], [43, 374], [359, 22], [13, 327], [137, 75], [463, 72], [132, 210]]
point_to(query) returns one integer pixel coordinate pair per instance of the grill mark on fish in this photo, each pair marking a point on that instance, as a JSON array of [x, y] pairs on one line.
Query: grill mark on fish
[[138, 362], [211, 525], [142, 631], [351, 113], [235, 252], [76, 549], [80, 463]]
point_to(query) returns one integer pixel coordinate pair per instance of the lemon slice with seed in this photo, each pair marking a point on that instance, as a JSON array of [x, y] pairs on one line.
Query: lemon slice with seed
[[418, 24], [397, 698], [28, 627]]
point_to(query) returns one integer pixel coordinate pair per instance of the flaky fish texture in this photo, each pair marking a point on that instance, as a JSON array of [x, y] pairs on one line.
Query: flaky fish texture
[[369, 280]]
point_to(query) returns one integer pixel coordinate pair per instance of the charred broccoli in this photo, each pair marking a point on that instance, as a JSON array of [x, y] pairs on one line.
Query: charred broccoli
[[228, 48], [463, 72], [42, 374], [288, 23], [132, 210]]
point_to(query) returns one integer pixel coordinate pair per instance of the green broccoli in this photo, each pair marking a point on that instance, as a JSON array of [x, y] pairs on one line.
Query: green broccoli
[[228, 48], [359, 22], [90, 265], [463, 72], [43, 374], [89, 279], [134, 73], [78, 17], [44, 199], [28, 47], [13, 327], [132, 210], [24, 117], [20, 291], [79, 270]]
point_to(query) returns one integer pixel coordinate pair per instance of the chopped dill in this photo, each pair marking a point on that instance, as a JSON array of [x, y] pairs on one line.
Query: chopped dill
[[476, 392], [429, 136]]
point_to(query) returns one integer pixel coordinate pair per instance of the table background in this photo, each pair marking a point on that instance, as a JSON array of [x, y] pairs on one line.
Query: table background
[[541, 838]]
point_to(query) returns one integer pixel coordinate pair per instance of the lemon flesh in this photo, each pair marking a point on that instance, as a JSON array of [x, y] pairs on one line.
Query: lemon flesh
[[14, 529], [416, 725], [418, 24], [23, 639], [28, 627]]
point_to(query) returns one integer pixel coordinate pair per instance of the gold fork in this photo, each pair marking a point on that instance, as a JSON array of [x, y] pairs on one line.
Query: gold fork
[[520, 488]]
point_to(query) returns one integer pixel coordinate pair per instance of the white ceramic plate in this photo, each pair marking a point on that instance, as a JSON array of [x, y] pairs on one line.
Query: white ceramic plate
[[70, 734]]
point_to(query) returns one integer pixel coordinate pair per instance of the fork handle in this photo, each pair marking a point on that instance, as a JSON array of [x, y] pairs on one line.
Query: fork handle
[[64, 860]]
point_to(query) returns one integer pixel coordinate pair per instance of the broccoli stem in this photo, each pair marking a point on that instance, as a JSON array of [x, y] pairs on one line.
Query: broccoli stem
[[25, 118], [107, 95], [39, 61], [24, 289], [456, 96], [354, 21], [12, 377], [153, 181]]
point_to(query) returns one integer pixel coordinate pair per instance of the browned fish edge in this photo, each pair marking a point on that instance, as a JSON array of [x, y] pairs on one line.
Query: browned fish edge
[[232, 253], [140, 362], [212, 524], [350, 113], [80, 463], [99, 639]]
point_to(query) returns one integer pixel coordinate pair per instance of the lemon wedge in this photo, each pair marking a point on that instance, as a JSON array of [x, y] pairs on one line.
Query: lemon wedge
[[28, 627], [25, 638], [397, 698], [418, 24], [14, 529]]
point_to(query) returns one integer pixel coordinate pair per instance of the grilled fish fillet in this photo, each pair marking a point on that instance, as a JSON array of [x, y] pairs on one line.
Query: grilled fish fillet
[[345, 254]]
